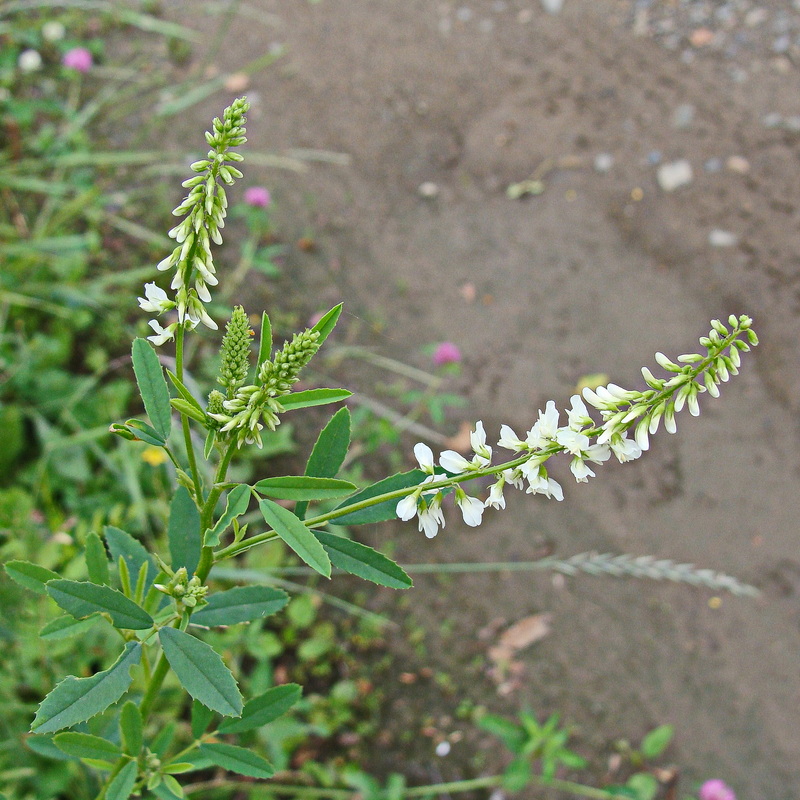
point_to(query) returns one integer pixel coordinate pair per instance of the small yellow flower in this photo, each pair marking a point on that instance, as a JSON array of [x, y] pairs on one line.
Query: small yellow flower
[[154, 456]]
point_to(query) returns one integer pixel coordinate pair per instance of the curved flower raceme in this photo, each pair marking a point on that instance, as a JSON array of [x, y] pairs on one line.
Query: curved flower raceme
[[204, 210], [583, 439]]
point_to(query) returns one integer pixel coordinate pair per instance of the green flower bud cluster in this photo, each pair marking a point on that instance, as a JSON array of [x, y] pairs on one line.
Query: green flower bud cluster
[[215, 409], [235, 352], [278, 376], [187, 592], [204, 209], [255, 406]]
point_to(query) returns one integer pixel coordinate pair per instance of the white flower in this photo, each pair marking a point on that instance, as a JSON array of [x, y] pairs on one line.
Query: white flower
[[454, 462], [642, 439], [155, 300], [509, 440], [545, 428], [431, 516], [471, 508], [578, 416], [542, 484], [579, 469], [29, 61], [571, 440], [162, 335], [598, 453], [196, 312], [625, 449], [424, 456], [514, 477], [407, 507], [495, 498], [477, 440], [53, 31]]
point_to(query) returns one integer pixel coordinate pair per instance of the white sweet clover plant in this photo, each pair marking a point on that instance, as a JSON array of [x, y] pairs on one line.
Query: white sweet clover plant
[[159, 602]]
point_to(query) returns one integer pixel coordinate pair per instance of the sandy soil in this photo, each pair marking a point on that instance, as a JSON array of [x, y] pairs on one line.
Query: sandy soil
[[594, 274]]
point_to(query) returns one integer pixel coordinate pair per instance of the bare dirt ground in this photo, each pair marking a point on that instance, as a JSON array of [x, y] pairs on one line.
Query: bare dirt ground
[[594, 274]]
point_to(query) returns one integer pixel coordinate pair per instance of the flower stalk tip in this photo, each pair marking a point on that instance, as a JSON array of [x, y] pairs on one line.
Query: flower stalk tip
[[622, 412]]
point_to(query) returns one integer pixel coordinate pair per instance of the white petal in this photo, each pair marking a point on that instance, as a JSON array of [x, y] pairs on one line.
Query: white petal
[[472, 510], [424, 456], [509, 440], [407, 507], [453, 462], [548, 421]]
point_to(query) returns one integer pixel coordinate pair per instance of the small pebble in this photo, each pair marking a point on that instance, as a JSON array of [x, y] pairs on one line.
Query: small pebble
[[654, 157], [713, 165], [674, 175], [464, 14], [443, 748], [738, 164], [720, 238], [603, 162], [428, 190], [552, 6]]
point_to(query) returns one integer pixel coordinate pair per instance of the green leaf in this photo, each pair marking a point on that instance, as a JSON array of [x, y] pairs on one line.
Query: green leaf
[[81, 598], [130, 729], [184, 392], [236, 505], [122, 544], [264, 708], [184, 531], [301, 487], [44, 746], [329, 451], [297, 536], [381, 512], [201, 716], [656, 741], [644, 785], [96, 559], [363, 561], [242, 604], [66, 626], [168, 789], [142, 432], [313, 397], [517, 775], [121, 788], [208, 446], [327, 323], [201, 672], [152, 386], [84, 745], [512, 735], [31, 576], [188, 409], [75, 700], [239, 760], [265, 343]]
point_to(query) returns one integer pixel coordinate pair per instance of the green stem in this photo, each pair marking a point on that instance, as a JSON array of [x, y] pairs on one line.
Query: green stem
[[154, 686], [187, 433], [488, 782], [111, 775], [207, 553]]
